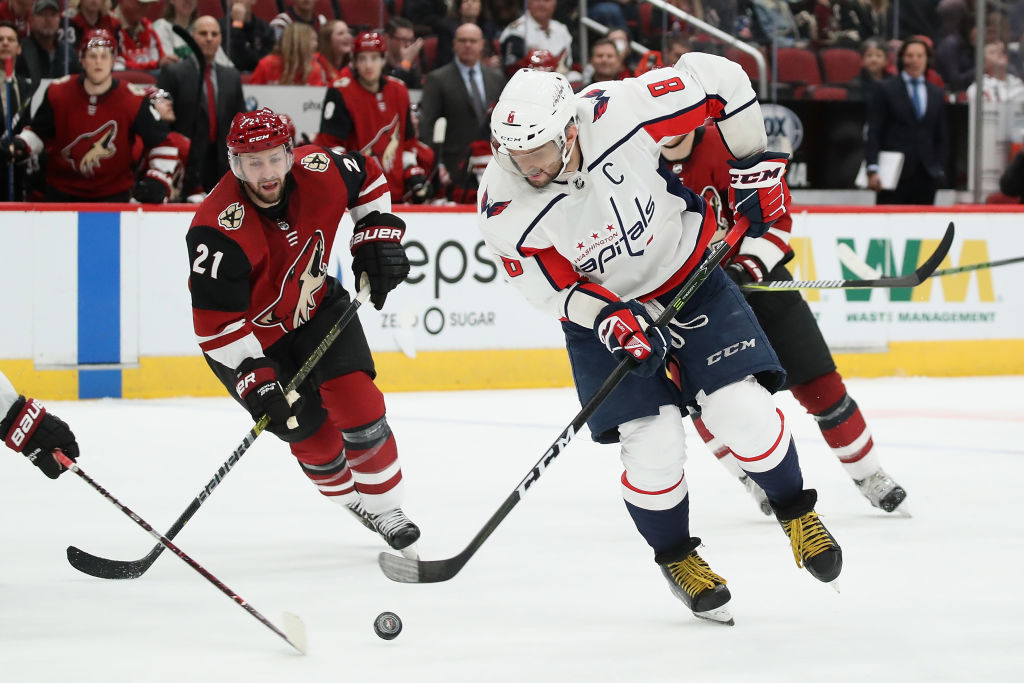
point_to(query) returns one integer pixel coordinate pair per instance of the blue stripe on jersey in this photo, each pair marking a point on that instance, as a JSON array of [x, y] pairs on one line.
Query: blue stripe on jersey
[[638, 127], [694, 202], [99, 302]]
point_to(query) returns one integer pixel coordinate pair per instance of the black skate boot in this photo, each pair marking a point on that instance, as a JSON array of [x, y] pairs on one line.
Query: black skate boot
[[693, 582], [881, 490], [813, 546], [399, 532], [360, 513]]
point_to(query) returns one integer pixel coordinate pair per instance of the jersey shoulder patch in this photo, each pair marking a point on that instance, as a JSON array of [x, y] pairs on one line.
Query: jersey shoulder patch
[[317, 161], [231, 217], [135, 88]]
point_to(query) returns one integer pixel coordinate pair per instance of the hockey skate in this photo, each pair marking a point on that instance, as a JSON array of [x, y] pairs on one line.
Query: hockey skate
[[760, 497], [813, 546], [881, 491], [398, 531], [360, 513], [693, 582]]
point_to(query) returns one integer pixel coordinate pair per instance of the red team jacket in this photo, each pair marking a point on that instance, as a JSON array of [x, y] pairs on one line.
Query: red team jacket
[[253, 278], [366, 122], [89, 139], [706, 172]]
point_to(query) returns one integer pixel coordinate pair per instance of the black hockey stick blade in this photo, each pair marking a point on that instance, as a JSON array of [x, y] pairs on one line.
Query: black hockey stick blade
[[408, 570], [912, 280], [105, 568]]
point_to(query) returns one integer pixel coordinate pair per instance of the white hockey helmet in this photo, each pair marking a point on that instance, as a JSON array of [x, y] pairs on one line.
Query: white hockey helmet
[[534, 109]]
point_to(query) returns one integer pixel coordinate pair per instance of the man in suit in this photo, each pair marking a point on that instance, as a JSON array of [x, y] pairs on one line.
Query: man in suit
[[192, 96], [907, 114], [462, 92]]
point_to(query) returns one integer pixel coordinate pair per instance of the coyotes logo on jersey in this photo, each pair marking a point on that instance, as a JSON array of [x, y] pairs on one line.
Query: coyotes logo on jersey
[[89, 150], [316, 162], [295, 304], [231, 217]]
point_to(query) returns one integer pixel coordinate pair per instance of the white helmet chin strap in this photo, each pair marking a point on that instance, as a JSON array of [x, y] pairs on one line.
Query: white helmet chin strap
[[567, 155]]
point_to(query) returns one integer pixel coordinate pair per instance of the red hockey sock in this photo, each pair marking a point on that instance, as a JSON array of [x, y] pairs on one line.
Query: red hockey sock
[[840, 421], [322, 458]]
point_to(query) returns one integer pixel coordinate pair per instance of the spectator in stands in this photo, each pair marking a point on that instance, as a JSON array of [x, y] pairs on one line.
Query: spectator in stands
[[608, 12], [429, 17], [874, 65], [249, 38], [44, 51], [954, 57], [21, 98], [403, 53], [181, 13], [138, 46], [471, 12], [370, 114], [334, 49], [1011, 183], [624, 45], [291, 62], [193, 93], [907, 114], [722, 14], [605, 63], [536, 30], [461, 92], [17, 12], [775, 18], [87, 126], [301, 11], [854, 21], [92, 14], [675, 47], [999, 85]]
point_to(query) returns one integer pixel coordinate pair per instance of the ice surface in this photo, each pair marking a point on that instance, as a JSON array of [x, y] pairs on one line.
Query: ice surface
[[565, 590]]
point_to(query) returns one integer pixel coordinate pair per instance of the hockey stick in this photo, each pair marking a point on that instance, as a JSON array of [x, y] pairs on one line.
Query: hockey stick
[[914, 279], [977, 266], [406, 570], [859, 268], [294, 632], [105, 568]]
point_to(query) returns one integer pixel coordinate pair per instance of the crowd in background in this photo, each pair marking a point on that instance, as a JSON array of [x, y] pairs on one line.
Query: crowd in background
[[453, 56]]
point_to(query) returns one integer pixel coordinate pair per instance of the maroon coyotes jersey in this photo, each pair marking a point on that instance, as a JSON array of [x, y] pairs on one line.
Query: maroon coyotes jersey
[[89, 138], [255, 276], [706, 172], [375, 124]]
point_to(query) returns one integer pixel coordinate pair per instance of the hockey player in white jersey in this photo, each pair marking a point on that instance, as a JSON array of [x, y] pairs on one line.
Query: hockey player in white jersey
[[27, 427], [590, 227]]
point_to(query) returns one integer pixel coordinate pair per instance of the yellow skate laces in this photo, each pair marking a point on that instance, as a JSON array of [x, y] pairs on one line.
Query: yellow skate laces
[[694, 574], [807, 537]]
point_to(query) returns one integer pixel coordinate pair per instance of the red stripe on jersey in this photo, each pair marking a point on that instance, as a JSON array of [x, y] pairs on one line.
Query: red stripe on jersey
[[680, 124], [222, 341], [777, 241], [556, 267], [625, 482], [782, 431], [599, 291], [847, 459], [707, 231]]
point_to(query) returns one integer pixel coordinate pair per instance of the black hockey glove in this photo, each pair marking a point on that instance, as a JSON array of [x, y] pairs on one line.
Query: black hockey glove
[[415, 185], [258, 387], [745, 269], [377, 251], [29, 429], [627, 330], [149, 190]]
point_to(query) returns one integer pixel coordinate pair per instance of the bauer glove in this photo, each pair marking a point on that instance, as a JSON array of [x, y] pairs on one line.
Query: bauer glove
[[756, 193], [377, 251], [29, 429], [262, 394], [627, 331]]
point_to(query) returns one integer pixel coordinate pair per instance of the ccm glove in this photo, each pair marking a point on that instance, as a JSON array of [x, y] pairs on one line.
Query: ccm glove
[[258, 387], [625, 328], [756, 193], [377, 251], [29, 429]]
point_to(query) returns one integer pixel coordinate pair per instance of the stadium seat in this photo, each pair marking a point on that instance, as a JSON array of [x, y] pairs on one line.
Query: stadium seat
[[364, 14], [429, 53], [745, 61], [828, 92], [267, 9], [798, 67], [841, 64], [140, 77], [212, 7], [154, 10]]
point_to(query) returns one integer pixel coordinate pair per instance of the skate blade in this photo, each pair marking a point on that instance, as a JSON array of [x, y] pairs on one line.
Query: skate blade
[[720, 615], [902, 510], [834, 583], [410, 552]]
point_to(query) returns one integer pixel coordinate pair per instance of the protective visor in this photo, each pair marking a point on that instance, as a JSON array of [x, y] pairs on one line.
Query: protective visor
[[263, 166], [527, 163]]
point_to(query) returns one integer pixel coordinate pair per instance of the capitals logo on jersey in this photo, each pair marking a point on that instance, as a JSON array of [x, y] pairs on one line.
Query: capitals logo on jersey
[[492, 209], [89, 150], [600, 102], [295, 304]]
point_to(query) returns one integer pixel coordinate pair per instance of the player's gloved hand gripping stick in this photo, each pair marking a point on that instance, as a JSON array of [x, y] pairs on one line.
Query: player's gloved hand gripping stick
[[104, 568], [407, 570]]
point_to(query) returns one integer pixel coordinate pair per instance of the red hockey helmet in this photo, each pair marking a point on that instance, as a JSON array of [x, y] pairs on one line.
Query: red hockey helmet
[[96, 37], [541, 60], [257, 131], [369, 41], [290, 125]]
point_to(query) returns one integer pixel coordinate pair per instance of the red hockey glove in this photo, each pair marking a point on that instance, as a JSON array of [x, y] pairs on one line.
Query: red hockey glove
[[29, 429], [756, 193], [745, 270], [377, 251], [262, 394], [626, 329]]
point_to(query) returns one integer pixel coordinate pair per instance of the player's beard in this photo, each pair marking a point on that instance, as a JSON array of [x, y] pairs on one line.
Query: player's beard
[[544, 178], [267, 197]]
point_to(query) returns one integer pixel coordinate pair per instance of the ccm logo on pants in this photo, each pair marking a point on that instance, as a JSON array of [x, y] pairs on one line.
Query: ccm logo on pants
[[730, 350]]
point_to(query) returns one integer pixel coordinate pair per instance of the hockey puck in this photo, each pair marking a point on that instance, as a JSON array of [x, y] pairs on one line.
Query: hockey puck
[[387, 625]]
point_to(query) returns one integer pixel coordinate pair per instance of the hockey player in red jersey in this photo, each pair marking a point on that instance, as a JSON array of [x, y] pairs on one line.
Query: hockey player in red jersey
[[369, 113], [161, 169], [262, 301], [28, 428], [87, 124], [701, 160]]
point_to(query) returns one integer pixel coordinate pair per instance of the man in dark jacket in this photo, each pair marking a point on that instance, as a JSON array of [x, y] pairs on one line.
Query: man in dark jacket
[[43, 51]]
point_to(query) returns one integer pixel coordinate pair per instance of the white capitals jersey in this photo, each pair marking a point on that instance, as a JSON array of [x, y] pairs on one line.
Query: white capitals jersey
[[622, 227], [7, 395]]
